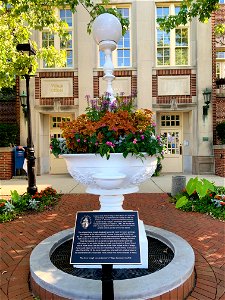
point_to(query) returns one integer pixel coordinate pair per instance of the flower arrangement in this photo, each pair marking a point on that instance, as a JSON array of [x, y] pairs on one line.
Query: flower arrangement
[[111, 127]]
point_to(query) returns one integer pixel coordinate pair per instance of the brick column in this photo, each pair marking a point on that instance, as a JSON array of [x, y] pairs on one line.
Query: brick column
[[219, 155], [6, 163]]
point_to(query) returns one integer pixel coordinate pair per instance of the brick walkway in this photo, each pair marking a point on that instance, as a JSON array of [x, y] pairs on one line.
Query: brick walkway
[[205, 235]]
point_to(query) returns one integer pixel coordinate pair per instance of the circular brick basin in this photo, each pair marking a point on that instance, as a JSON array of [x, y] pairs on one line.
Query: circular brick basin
[[176, 280]]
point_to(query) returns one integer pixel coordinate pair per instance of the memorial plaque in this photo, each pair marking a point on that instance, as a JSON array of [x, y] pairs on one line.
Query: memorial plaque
[[106, 238]]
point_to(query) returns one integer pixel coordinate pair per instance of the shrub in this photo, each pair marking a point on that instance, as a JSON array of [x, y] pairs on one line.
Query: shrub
[[8, 134], [220, 130], [17, 205], [201, 195]]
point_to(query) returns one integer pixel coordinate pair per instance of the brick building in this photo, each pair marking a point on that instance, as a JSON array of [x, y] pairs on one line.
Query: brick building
[[169, 71]]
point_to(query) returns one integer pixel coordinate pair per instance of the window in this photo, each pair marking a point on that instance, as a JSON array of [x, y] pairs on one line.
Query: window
[[173, 46], [121, 57], [220, 63], [170, 120], [57, 121], [222, 2], [49, 39]]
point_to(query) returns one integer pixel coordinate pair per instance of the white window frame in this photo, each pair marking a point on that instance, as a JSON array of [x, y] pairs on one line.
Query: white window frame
[[172, 46], [115, 53], [57, 43], [220, 64]]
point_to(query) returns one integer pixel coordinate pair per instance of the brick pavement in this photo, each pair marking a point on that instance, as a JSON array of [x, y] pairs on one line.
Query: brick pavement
[[205, 235]]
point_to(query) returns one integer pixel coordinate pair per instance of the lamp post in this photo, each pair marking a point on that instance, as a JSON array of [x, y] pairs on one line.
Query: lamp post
[[107, 31], [31, 189]]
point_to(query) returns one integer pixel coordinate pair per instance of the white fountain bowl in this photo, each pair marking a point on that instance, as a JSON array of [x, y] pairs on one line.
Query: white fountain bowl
[[88, 169]]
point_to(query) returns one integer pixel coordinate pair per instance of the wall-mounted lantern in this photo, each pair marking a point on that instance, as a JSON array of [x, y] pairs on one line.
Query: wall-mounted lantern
[[23, 103], [207, 94]]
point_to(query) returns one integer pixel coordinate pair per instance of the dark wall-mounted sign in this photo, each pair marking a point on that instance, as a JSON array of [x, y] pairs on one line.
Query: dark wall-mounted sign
[[106, 238]]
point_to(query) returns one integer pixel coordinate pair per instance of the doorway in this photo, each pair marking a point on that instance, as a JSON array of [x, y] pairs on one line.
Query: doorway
[[171, 128], [57, 165]]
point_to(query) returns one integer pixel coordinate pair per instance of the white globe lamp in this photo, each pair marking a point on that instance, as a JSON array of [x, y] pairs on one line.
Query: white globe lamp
[[107, 31]]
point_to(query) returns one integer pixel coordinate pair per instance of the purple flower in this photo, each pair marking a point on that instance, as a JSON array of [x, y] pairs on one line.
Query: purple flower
[[110, 144], [78, 140], [135, 141], [154, 124], [142, 137]]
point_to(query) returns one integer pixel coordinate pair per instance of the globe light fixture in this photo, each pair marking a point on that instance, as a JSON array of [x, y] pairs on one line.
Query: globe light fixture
[[107, 31]]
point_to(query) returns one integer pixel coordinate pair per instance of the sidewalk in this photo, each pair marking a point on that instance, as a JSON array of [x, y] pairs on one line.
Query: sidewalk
[[204, 234], [19, 237], [67, 185]]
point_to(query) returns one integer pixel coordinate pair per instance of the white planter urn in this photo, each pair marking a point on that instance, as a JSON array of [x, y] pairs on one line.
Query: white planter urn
[[111, 179]]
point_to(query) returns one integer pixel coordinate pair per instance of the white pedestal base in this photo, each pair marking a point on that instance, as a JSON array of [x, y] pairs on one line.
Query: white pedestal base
[[112, 200]]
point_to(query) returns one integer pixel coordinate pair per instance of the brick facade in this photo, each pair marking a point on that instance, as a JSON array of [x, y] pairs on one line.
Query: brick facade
[[6, 163], [219, 155], [50, 101], [173, 72], [121, 73], [218, 103]]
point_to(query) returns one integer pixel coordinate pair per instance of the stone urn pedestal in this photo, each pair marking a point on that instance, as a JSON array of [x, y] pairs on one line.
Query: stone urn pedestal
[[111, 179]]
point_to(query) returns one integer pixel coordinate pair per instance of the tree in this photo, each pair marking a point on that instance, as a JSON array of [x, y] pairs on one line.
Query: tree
[[189, 9], [18, 20]]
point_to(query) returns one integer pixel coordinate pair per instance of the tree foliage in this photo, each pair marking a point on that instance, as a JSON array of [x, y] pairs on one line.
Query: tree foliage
[[19, 19], [189, 9]]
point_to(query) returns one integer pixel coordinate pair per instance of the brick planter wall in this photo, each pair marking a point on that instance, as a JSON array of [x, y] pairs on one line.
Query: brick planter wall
[[6, 163], [219, 154]]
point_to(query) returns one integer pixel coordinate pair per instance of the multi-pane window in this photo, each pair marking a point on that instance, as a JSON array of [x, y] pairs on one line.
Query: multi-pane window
[[49, 39], [121, 57], [57, 121], [173, 46], [220, 64], [169, 120]]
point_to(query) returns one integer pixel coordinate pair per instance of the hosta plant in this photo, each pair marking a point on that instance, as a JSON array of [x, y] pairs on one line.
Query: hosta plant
[[203, 196]]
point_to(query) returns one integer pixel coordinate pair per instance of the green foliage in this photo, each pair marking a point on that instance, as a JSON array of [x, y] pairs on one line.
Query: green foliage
[[201, 195], [18, 19], [17, 205], [8, 134], [112, 127], [189, 9], [97, 10], [199, 186], [220, 130], [8, 94], [181, 202]]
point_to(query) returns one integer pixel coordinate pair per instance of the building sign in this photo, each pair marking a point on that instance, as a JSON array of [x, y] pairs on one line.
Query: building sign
[[173, 85], [106, 238], [120, 85], [56, 87]]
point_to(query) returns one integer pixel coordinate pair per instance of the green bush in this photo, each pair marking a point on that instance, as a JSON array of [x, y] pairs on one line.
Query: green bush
[[201, 195], [17, 205], [220, 130], [8, 134], [8, 94]]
